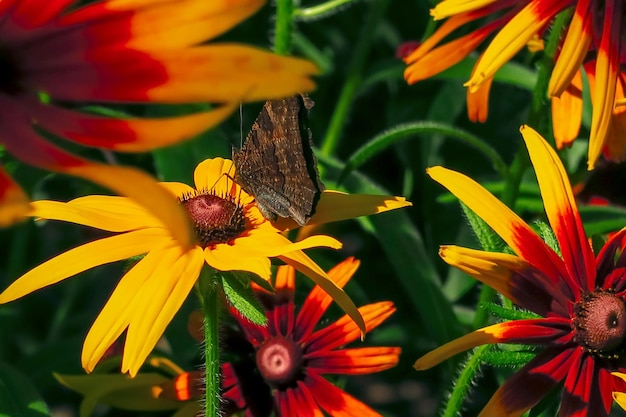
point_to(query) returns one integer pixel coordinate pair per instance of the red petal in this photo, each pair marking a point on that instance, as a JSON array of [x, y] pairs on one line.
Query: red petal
[[529, 385], [318, 300], [354, 361]]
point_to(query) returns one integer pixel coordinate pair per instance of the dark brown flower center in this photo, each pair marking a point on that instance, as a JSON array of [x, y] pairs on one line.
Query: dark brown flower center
[[279, 360], [215, 219], [9, 73], [600, 323]]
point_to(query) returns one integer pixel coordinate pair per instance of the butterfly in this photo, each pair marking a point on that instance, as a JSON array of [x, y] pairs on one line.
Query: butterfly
[[276, 163]]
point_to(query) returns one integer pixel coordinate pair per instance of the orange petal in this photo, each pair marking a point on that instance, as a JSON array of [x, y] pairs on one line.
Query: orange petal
[[573, 51], [14, 204], [567, 112], [478, 102], [513, 37], [607, 69]]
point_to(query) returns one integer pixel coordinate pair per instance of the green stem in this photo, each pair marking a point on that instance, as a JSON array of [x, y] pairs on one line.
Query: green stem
[[464, 383], [209, 289], [283, 29], [321, 10], [353, 77]]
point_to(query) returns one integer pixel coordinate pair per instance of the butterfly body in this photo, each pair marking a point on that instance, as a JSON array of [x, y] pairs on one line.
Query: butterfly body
[[276, 163]]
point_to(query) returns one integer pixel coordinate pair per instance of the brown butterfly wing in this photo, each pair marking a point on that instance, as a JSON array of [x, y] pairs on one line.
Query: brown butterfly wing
[[276, 164]]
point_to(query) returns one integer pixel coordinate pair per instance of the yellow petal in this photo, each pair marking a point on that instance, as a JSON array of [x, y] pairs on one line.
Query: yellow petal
[[620, 397], [603, 92], [161, 297], [231, 258], [492, 269], [143, 189], [215, 174], [308, 267], [482, 336], [178, 189], [157, 133], [335, 206], [274, 244], [175, 24], [114, 214], [515, 232], [448, 8], [562, 211], [227, 73], [115, 315], [573, 51], [80, 259], [513, 37]]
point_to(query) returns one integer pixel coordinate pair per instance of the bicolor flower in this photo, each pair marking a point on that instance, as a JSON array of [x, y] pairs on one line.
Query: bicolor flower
[[595, 30], [580, 297], [56, 55], [278, 368], [290, 355], [231, 235]]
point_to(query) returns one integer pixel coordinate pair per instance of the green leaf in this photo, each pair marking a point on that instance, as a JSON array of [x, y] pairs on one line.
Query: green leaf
[[510, 73], [18, 396], [507, 313], [387, 138], [503, 359], [488, 239], [242, 298], [404, 247], [602, 219], [548, 236]]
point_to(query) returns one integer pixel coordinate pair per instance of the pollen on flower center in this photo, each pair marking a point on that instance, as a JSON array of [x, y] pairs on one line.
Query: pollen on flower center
[[215, 219], [600, 322], [279, 360]]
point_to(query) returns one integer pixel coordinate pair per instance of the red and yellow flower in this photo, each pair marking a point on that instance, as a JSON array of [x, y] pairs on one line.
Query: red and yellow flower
[[129, 51], [593, 37], [232, 235], [279, 367], [580, 297]]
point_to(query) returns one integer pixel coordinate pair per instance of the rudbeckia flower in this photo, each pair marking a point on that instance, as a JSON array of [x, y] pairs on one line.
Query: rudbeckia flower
[[580, 298], [596, 29], [128, 51], [279, 367], [232, 235]]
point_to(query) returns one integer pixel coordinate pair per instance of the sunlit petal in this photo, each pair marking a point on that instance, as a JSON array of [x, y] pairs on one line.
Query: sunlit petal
[[515, 232], [607, 68], [561, 209], [304, 264], [573, 51], [80, 259]]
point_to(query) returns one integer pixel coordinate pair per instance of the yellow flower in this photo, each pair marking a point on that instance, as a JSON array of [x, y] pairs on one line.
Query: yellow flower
[[232, 235]]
